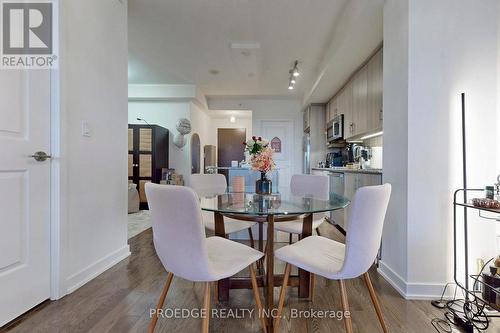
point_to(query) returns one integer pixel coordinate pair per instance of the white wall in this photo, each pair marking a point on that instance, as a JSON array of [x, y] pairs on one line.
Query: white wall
[[165, 114], [268, 109], [452, 48], [93, 88], [395, 159]]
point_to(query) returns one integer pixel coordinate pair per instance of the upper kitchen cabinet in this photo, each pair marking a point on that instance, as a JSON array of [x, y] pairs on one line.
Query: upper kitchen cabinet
[[307, 118], [345, 107], [359, 102], [331, 109], [374, 98]]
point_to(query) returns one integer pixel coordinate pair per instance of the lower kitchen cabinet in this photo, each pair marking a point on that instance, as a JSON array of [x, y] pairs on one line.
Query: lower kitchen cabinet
[[352, 182]]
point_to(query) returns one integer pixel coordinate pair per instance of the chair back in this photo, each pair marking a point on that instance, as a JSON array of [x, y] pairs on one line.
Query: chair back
[[316, 186], [208, 183], [178, 231], [364, 231]]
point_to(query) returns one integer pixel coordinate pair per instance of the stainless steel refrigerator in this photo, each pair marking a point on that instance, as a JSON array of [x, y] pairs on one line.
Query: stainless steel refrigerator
[[306, 148]]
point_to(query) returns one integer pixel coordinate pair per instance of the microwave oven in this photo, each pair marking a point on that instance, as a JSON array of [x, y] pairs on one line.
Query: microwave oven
[[335, 129]]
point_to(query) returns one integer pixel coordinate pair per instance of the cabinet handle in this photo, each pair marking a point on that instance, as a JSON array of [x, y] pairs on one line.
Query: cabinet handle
[[381, 115]]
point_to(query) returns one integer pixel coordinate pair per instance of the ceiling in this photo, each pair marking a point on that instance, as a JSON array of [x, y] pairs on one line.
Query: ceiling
[[189, 42]]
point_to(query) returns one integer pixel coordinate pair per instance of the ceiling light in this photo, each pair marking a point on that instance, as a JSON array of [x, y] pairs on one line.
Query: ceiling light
[[290, 87], [232, 119], [295, 70], [369, 136], [292, 80]]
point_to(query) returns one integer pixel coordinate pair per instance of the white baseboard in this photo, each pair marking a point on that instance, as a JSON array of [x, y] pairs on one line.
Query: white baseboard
[[90, 272], [393, 278], [413, 291]]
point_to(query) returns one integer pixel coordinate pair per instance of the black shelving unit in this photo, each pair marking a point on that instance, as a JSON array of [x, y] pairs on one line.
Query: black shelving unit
[[465, 286]]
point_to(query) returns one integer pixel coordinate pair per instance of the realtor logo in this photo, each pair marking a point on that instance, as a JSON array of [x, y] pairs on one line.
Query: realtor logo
[[27, 34]]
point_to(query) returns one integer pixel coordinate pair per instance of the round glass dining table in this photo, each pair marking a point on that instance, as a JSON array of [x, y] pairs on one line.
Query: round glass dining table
[[273, 208]]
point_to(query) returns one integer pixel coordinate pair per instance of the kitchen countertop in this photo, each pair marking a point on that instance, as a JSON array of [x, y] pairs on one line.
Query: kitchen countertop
[[340, 169]]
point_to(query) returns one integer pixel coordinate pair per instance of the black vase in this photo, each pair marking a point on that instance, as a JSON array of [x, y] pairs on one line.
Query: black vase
[[263, 185]]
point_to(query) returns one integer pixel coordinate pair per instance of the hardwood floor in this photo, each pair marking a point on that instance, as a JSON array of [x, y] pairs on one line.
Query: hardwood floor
[[119, 301]]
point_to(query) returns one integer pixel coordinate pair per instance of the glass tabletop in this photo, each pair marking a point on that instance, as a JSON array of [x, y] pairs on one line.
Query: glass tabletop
[[283, 202]]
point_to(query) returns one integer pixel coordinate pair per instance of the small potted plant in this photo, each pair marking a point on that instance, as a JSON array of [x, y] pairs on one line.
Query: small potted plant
[[261, 159]]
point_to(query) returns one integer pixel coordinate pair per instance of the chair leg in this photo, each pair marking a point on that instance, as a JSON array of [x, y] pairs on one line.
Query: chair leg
[[290, 239], [258, 303], [282, 297], [317, 231], [163, 295], [345, 306], [375, 301], [311, 290], [216, 292], [206, 307], [250, 234]]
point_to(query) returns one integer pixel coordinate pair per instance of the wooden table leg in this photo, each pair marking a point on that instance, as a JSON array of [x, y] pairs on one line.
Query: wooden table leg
[[261, 248], [304, 276], [221, 232], [270, 273]]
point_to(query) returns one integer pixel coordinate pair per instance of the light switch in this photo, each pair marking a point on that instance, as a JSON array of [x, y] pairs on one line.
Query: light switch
[[86, 129]]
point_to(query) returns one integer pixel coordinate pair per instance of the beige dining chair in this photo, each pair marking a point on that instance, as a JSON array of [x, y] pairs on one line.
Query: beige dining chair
[[216, 184], [316, 186], [185, 251], [336, 261]]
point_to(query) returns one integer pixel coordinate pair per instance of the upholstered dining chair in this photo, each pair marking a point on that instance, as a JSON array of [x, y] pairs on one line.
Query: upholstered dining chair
[[317, 186], [336, 261], [180, 242], [216, 184]]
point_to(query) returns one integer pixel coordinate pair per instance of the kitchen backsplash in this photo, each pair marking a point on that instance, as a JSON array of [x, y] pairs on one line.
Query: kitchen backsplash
[[377, 141]]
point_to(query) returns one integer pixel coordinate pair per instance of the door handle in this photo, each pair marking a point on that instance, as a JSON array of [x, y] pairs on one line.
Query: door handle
[[40, 156]]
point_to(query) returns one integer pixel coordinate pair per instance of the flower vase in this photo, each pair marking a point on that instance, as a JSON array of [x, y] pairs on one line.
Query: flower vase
[[263, 185]]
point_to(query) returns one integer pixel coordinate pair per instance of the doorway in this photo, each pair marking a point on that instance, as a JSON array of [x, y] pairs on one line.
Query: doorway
[[195, 153], [25, 183], [230, 147]]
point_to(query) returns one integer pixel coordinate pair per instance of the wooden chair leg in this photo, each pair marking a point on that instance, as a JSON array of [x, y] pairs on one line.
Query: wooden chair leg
[[216, 292], [345, 306], [206, 307], [311, 289], [282, 297], [258, 303], [375, 302], [250, 234], [290, 239], [163, 295]]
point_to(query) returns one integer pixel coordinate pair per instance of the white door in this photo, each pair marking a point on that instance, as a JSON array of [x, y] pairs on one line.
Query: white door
[[283, 130], [24, 191]]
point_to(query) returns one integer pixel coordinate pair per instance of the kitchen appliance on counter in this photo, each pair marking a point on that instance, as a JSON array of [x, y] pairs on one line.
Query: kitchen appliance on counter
[[334, 159], [335, 129]]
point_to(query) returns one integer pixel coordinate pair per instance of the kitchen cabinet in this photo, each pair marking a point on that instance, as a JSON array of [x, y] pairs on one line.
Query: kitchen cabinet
[[147, 156], [359, 102], [307, 117], [352, 182], [345, 107], [374, 97]]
